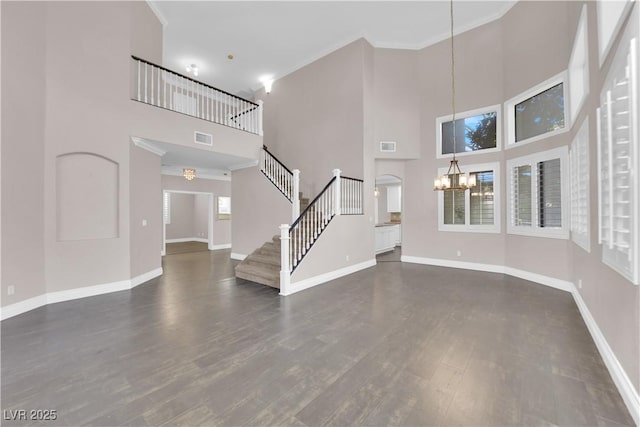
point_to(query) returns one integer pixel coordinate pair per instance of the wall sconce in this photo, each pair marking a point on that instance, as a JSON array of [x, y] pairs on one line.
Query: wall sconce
[[376, 192], [267, 81]]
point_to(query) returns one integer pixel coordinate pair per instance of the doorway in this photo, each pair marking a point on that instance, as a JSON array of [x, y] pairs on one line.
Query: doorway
[[388, 218], [185, 215]]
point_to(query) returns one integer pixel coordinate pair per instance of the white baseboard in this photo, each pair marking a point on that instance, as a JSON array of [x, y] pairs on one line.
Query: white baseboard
[[239, 257], [222, 246], [326, 277], [620, 378], [563, 285], [77, 293], [188, 239]]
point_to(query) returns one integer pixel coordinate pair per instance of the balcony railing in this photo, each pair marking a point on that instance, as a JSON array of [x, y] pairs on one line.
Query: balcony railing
[[158, 86]]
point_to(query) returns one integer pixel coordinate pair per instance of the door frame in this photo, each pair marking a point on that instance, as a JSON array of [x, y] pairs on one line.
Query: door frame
[[210, 245]]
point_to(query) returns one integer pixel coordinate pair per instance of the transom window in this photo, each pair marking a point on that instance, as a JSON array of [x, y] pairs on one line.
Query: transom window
[[476, 130], [537, 113]]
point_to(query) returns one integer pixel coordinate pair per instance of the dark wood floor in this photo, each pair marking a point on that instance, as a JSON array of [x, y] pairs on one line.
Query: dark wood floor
[[397, 344], [184, 247]]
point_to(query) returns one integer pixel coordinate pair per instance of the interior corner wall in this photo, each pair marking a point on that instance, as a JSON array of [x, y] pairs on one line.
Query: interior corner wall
[[201, 216], [23, 140], [146, 211], [258, 208], [313, 118]]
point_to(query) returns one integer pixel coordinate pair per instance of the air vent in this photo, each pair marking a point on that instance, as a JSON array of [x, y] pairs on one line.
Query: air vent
[[387, 146], [203, 138]]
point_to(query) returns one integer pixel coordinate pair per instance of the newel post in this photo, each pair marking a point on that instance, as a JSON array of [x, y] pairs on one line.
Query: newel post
[[296, 195], [285, 276], [260, 111], [338, 198]]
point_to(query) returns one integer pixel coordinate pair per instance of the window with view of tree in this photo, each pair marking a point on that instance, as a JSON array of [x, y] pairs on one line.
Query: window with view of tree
[[540, 114], [538, 194], [474, 209], [475, 131]]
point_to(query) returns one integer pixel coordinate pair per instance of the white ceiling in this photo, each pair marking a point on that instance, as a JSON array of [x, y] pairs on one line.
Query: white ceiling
[[276, 38], [208, 164]]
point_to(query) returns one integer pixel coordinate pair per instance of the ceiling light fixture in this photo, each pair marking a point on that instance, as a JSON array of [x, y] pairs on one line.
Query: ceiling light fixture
[[189, 174], [193, 69], [454, 179], [267, 81]]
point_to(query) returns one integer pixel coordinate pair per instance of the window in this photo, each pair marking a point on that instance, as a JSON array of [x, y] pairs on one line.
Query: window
[[166, 207], [537, 113], [579, 161], [579, 67], [224, 207], [477, 130], [618, 163], [538, 191], [610, 18], [475, 209]]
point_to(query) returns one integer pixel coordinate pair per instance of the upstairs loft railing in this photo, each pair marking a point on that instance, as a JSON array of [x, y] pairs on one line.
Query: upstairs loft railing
[[161, 87]]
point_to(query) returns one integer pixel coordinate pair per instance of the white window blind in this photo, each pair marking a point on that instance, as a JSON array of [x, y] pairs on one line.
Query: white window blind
[[618, 162], [166, 207], [481, 199], [475, 209], [579, 164], [538, 194]]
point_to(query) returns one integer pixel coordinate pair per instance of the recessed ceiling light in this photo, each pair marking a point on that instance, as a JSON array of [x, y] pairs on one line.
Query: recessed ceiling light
[[230, 56], [192, 68]]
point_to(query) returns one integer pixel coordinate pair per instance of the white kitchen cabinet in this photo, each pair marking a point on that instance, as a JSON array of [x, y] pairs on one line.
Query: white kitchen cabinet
[[394, 198], [387, 237]]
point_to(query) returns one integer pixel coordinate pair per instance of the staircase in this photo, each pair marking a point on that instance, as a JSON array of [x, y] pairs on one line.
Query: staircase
[[263, 265]]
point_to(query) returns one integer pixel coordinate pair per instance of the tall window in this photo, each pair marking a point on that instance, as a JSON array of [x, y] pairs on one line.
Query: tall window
[[538, 192], [475, 209], [537, 113], [477, 130], [579, 159], [618, 160]]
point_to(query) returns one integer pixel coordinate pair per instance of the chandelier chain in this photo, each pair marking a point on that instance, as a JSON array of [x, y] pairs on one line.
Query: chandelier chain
[[453, 83]]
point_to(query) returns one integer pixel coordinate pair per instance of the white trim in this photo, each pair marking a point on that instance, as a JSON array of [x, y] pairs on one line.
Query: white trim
[[246, 165], [532, 160], [221, 246], [187, 239], [141, 143], [463, 115], [326, 277], [497, 201], [509, 110], [604, 51], [552, 282], [157, 12], [578, 69], [620, 378], [239, 257], [77, 293]]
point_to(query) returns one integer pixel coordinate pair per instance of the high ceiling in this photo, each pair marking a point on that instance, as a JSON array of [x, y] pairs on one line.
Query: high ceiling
[[276, 38]]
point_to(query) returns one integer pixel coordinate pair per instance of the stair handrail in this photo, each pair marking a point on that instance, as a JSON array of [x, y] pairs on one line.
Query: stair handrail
[[285, 180]]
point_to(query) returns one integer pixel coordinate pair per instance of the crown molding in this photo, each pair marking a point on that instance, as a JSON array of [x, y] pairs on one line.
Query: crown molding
[[141, 143]]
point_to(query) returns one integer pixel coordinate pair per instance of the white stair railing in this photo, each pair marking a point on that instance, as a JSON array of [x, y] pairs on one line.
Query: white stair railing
[[285, 180], [341, 196], [161, 87]]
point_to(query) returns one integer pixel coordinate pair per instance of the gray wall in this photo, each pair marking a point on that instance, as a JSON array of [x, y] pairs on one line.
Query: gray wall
[[182, 216], [23, 150]]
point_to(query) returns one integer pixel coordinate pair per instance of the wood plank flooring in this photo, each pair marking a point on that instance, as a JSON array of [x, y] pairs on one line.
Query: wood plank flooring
[[394, 345]]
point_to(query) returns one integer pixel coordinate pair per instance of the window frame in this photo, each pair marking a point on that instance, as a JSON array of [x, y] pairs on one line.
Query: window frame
[[467, 226], [535, 230], [497, 108], [580, 147], [579, 67], [510, 105]]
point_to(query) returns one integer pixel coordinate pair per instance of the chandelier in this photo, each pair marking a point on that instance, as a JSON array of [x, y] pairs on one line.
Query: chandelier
[[189, 173], [454, 179]]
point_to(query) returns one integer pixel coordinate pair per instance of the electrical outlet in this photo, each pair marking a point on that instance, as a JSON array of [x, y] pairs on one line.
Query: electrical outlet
[[347, 257], [579, 283], [11, 290], [459, 253], [144, 222]]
